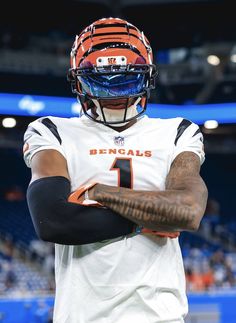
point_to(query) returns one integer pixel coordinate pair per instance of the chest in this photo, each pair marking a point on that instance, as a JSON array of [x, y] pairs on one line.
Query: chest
[[138, 161]]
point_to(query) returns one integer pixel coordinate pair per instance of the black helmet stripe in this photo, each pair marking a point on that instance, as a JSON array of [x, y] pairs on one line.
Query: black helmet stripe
[[108, 34], [111, 45], [113, 25]]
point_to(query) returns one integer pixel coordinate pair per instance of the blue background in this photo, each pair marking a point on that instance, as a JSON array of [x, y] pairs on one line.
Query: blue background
[[35, 105]]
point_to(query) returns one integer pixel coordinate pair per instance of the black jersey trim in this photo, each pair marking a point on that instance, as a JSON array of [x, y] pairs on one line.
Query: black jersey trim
[[197, 132], [29, 135], [184, 124], [32, 129], [52, 127]]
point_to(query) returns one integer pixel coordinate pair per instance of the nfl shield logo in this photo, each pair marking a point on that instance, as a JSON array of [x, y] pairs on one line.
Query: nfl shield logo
[[119, 141]]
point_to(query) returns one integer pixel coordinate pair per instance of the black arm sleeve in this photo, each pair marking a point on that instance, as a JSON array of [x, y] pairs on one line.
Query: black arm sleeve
[[59, 221]]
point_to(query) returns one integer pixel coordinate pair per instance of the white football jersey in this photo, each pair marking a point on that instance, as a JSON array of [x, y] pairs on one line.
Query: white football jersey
[[136, 278]]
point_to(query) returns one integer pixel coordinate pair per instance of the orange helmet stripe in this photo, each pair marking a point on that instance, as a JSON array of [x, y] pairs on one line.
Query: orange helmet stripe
[[111, 33]]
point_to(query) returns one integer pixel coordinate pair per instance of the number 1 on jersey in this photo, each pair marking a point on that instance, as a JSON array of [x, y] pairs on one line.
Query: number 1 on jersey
[[124, 168]]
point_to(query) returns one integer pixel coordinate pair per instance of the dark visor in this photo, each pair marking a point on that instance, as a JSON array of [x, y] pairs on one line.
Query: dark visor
[[113, 85]]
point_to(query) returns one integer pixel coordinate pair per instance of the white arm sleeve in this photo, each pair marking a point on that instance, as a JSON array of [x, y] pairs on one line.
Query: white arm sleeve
[[41, 134], [189, 138]]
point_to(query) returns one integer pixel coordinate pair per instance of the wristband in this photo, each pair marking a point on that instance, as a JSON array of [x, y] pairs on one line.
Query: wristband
[[140, 229]]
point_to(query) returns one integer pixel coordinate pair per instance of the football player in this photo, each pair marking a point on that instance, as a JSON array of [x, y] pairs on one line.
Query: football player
[[113, 188]]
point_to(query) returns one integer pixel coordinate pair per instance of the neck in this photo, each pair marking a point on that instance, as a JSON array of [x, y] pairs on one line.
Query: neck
[[122, 128]]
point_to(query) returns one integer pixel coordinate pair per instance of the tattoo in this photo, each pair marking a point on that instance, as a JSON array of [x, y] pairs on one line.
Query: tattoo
[[180, 207], [185, 165], [146, 208]]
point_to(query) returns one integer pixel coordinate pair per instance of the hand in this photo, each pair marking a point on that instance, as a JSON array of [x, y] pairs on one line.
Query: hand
[[81, 196]]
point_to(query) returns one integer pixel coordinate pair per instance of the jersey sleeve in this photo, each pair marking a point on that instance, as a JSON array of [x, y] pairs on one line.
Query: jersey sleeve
[[41, 134], [189, 138]]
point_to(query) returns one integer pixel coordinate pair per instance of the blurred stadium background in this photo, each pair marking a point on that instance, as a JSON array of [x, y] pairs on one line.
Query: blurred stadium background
[[194, 44]]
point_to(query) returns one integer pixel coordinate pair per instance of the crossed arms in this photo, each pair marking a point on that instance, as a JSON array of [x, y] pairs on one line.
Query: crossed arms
[[180, 207]]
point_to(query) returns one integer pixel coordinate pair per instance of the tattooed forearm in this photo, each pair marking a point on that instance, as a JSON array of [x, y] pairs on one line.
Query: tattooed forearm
[[152, 210]]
